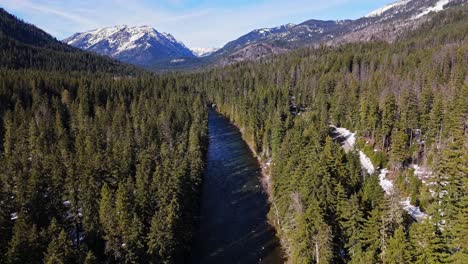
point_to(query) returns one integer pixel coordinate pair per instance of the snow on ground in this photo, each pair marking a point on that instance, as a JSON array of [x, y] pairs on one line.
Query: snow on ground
[[202, 52], [412, 210], [348, 142], [422, 173], [349, 138], [384, 9], [14, 216], [387, 185], [439, 6], [177, 60], [366, 162]]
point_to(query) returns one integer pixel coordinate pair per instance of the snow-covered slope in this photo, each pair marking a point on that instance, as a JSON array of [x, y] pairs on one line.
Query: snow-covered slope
[[384, 9], [439, 6], [393, 20], [202, 52], [138, 45], [414, 8]]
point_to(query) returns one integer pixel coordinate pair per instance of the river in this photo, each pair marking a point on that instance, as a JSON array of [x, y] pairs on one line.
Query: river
[[233, 224]]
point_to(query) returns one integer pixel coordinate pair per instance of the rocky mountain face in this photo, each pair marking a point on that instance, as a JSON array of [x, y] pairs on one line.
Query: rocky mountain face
[[386, 23], [389, 22], [137, 45], [147, 47]]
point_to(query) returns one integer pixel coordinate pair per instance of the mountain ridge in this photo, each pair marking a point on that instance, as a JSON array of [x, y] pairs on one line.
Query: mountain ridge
[[140, 45], [394, 18], [384, 24]]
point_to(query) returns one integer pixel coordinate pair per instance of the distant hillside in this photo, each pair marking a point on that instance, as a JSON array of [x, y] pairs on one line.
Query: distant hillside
[[23, 45], [386, 23]]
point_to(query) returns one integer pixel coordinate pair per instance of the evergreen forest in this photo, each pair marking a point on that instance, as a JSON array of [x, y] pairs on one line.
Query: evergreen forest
[[102, 162]]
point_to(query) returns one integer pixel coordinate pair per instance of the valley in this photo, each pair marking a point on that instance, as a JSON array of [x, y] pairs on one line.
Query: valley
[[326, 141]]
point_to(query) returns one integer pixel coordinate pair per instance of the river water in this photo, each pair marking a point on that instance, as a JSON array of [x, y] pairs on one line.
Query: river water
[[233, 224]]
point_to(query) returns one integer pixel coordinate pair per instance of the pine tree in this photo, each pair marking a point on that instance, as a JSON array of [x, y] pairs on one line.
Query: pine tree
[[453, 170], [108, 220], [435, 127], [399, 148], [123, 207], [24, 244], [370, 236], [135, 251], [409, 110], [397, 248], [160, 238], [60, 250], [352, 220], [388, 117], [90, 258], [426, 244]]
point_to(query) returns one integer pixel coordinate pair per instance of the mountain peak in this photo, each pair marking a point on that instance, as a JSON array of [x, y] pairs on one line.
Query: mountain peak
[[140, 45]]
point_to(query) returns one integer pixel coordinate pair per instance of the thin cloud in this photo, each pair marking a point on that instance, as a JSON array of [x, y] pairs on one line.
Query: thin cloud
[[205, 25], [25, 5]]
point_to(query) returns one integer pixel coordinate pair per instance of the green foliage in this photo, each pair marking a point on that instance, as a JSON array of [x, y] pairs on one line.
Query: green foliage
[[60, 250], [103, 163], [401, 98], [100, 157], [397, 250]]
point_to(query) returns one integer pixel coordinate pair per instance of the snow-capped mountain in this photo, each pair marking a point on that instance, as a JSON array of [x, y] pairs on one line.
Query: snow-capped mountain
[[141, 45], [418, 8], [203, 52], [146, 46], [386, 23], [389, 22], [262, 42]]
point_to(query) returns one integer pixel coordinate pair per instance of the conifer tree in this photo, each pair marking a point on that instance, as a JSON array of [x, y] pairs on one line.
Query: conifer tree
[[399, 147], [397, 248], [24, 244], [388, 117], [90, 258], [60, 250], [109, 222], [427, 244]]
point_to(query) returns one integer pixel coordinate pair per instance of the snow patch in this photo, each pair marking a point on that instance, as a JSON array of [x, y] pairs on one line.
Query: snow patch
[[349, 138], [366, 162], [412, 210], [203, 52], [439, 6], [177, 60], [386, 184], [14, 216], [422, 173]]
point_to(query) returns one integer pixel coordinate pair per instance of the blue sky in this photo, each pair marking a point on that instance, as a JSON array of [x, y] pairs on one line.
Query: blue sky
[[197, 23]]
